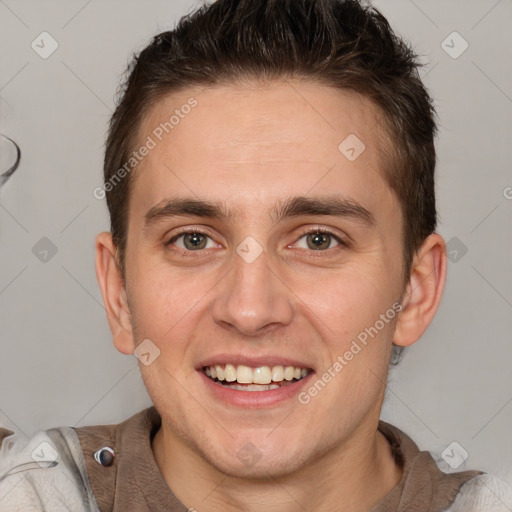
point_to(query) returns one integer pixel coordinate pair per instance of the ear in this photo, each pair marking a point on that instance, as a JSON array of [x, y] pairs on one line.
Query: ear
[[423, 292], [113, 291]]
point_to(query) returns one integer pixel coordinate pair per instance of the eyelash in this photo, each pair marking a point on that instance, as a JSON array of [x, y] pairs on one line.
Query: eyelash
[[309, 231]]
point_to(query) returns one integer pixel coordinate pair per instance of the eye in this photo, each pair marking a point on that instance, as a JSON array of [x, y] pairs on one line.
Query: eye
[[192, 240], [319, 239]]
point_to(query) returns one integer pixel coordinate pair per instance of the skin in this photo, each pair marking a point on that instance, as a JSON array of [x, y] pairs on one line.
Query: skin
[[249, 146]]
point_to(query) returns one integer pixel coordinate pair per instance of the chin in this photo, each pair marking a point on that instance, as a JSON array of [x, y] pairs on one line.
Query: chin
[[264, 468], [257, 456]]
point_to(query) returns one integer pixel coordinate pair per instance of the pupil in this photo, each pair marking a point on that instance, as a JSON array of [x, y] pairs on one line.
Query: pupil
[[320, 240], [194, 239]]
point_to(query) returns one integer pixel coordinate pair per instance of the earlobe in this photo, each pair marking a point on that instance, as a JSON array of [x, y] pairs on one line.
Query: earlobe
[[114, 293], [424, 291]]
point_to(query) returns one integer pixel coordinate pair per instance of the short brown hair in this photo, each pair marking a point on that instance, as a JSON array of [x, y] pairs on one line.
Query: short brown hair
[[340, 43]]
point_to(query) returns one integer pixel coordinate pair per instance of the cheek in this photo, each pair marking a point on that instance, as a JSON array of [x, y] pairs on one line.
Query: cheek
[[162, 295], [165, 307], [354, 314], [351, 300]]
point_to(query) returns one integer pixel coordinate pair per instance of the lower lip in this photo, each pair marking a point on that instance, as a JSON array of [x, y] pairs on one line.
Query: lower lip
[[254, 399]]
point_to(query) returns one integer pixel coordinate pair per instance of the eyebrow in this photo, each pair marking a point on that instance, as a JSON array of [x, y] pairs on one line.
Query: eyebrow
[[331, 205]]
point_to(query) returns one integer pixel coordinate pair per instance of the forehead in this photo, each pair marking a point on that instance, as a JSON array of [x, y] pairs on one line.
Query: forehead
[[249, 145]]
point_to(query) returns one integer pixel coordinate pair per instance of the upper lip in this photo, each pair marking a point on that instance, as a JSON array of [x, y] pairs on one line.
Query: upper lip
[[253, 361]]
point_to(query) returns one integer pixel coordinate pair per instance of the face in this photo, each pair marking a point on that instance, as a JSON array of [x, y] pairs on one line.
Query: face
[[291, 257]]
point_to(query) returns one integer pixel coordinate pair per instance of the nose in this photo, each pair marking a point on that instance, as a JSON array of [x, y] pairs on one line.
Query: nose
[[253, 298]]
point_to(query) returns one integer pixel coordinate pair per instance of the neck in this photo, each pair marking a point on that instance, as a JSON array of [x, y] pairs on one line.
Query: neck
[[357, 474]]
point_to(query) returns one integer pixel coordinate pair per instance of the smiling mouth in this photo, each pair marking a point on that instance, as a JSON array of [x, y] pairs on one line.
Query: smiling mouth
[[262, 378]]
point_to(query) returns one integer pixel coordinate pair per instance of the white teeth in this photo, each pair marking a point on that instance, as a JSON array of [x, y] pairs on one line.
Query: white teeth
[[288, 372], [221, 375], [262, 376], [244, 374], [254, 387], [230, 373], [277, 373]]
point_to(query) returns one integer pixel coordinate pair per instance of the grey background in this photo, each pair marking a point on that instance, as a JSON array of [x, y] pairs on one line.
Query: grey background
[[57, 362]]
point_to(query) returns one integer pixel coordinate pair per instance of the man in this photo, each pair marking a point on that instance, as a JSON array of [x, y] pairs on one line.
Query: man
[[269, 173]]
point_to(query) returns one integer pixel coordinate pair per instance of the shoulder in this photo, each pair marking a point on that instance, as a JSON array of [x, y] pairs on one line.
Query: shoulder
[[425, 482], [45, 472], [484, 493]]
